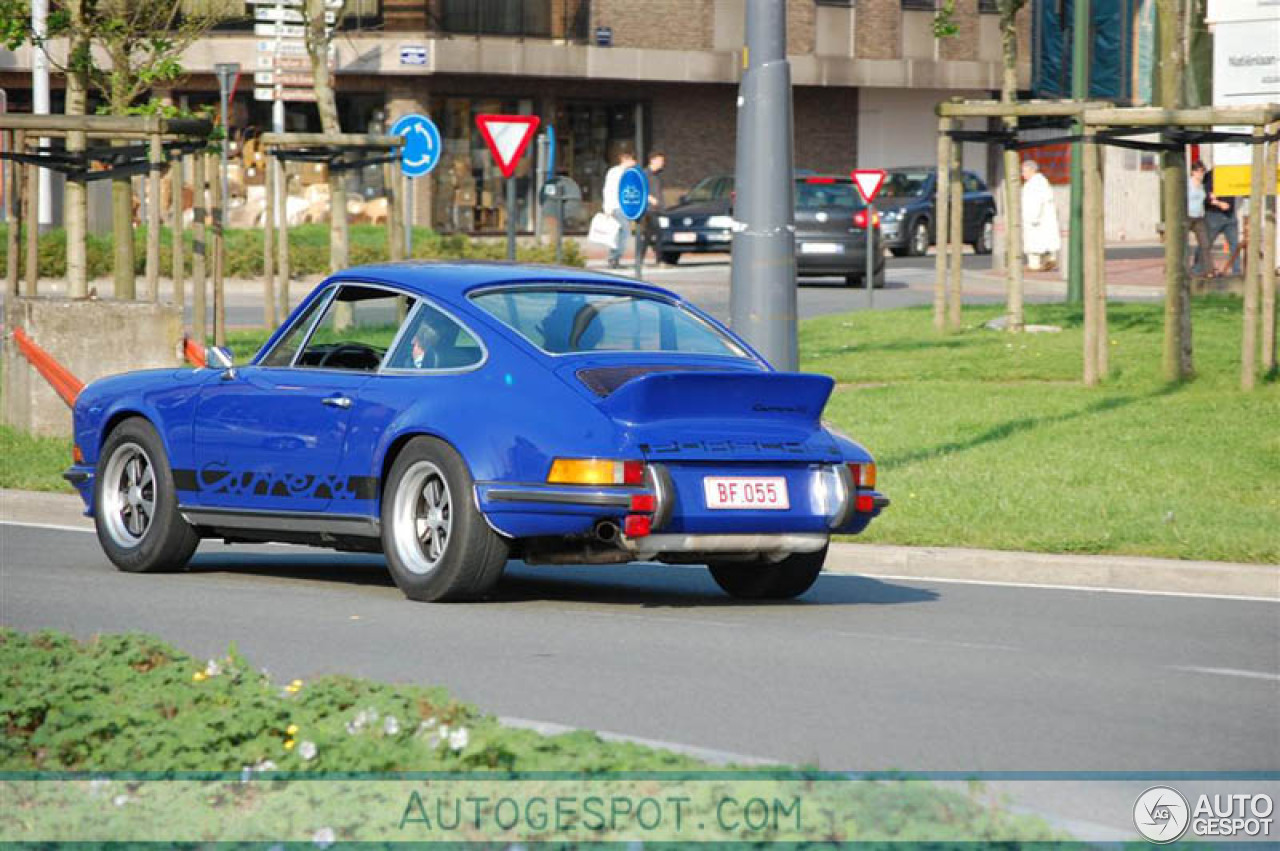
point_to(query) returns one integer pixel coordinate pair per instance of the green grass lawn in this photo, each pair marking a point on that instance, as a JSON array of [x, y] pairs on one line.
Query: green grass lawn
[[986, 439]]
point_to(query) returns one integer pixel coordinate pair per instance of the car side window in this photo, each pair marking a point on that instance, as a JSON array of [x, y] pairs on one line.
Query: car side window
[[283, 352], [356, 329], [435, 341]]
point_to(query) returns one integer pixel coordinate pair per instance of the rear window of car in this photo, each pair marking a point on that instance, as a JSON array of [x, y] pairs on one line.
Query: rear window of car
[[574, 320], [812, 195]]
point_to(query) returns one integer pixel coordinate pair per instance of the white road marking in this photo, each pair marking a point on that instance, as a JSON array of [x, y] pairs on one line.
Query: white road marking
[[1229, 672], [1050, 587], [54, 526], [967, 645]]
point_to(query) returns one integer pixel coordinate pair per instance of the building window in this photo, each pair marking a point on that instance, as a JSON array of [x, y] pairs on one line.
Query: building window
[[518, 18], [989, 7], [919, 5], [844, 3], [238, 15]]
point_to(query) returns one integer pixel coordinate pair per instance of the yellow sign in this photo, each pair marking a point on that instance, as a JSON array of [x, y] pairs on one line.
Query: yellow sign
[[1229, 180]]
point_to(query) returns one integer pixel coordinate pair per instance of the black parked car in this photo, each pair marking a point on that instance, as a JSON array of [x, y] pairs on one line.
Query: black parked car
[[906, 204], [831, 231], [702, 221]]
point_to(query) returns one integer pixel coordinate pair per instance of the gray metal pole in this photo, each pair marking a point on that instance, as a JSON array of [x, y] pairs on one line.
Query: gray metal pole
[[511, 218], [40, 106], [870, 276], [763, 279], [408, 216]]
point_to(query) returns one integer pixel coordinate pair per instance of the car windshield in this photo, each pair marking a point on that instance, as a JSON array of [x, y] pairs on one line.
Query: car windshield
[[814, 195], [571, 320], [906, 184], [704, 191]]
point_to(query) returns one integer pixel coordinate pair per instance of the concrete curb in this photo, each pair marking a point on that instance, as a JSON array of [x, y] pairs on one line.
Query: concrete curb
[[1109, 573], [1112, 573]]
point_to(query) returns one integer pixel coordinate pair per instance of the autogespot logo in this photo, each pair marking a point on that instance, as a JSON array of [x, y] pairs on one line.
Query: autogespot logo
[[1161, 814]]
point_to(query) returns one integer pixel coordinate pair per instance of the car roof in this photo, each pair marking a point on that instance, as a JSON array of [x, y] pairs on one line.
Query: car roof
[[452, 279]]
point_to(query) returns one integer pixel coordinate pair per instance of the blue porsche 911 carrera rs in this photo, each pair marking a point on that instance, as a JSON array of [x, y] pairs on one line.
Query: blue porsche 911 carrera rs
[[456, 415]]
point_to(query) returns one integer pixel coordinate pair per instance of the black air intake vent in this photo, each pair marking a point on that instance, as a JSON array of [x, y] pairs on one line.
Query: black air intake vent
[[603, 380]]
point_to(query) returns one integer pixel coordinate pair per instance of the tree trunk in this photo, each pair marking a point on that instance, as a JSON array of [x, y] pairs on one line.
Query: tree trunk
[[122, 196], [1178, 363], [1012, 170], [327, 104], [76, 213]]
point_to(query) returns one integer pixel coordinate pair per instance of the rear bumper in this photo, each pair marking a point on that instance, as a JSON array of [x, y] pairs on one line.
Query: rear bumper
[[851, 258], [652, 546], [704, 240]]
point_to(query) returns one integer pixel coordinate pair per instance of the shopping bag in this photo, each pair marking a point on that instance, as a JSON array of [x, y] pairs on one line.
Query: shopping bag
[[604, 230]]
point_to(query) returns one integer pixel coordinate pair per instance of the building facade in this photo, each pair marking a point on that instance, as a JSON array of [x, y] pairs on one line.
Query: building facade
[[614, 75]]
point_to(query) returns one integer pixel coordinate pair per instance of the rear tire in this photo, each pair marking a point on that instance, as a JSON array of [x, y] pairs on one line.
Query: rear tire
[[671, 258], [135, 503], [781, 580], [986, 236], [438, 546]]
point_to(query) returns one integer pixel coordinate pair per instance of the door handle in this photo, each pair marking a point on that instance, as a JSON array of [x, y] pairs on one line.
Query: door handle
[[336, 401]]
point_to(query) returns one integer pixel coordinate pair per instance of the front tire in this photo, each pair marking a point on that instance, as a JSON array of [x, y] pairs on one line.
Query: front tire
[[918, 241], [781, 580], [438, 546], [135, 503]]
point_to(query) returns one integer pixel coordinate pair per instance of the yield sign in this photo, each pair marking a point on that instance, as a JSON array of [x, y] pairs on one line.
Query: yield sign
[[869, 181], [507, 137]]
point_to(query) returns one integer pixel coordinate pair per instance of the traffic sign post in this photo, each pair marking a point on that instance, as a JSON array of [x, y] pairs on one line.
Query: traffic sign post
[[633, 200], [508, 137], [419, 156], [869, 181]]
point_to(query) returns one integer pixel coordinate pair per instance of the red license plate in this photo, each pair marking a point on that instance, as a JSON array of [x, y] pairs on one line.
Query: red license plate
[[738, 492]]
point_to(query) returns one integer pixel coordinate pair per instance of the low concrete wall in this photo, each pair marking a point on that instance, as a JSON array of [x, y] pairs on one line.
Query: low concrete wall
[[92, 339]]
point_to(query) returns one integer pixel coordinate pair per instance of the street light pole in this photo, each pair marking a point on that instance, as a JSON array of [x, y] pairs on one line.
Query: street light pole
[[40, 100], [1080, 39], [763, 277]]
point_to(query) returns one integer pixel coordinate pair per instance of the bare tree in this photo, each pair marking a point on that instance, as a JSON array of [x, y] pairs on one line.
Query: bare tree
[[944, 26]]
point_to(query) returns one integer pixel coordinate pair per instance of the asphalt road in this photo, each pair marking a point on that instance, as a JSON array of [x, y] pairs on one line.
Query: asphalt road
[[860, 674]]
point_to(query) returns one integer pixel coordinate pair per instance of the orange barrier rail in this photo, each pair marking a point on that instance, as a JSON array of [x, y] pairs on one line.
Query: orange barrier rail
[[194, 352], [59, 377]]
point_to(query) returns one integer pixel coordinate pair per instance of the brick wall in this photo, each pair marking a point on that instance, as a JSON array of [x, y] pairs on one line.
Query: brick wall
[[964, 44], [801, 21], [665, 24], [878, 29]]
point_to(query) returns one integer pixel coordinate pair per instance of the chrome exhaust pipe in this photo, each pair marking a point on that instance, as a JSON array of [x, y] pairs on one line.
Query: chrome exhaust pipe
[[607, 532]]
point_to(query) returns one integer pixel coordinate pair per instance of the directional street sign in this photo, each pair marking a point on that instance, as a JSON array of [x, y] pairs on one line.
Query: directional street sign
[[633, 193], [869, 181], [508, 137], [421, 151]]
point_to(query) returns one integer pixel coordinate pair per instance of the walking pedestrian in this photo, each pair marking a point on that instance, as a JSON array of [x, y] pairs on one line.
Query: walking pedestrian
[[1041, 240], [1220, 218], [657, 162], [613, 206]]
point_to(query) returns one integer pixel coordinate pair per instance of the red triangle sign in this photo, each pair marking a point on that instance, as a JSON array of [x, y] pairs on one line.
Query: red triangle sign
[[508, 137], [869, 181]]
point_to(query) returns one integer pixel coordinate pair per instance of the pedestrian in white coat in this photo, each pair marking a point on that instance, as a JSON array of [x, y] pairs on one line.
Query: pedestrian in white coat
[[1041, 240]]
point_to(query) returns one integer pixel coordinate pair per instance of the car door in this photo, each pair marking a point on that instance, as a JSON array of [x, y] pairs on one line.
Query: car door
[[272, 436]]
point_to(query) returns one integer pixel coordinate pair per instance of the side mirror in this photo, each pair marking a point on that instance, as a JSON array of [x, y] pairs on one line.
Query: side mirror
[[219, 357]]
